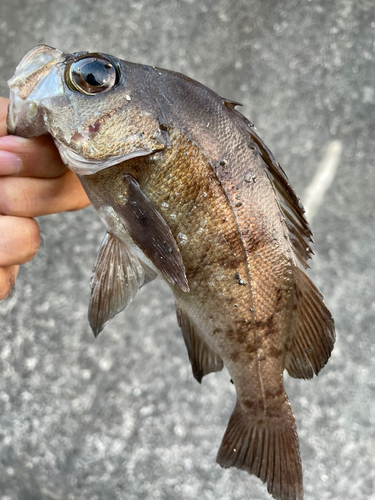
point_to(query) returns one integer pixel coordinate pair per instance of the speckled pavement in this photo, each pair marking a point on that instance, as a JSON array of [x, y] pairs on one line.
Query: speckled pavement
[[121, 417]]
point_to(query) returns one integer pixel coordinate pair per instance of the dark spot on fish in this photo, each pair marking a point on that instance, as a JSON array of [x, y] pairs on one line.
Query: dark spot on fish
[[238, 204], [251, 404], [266, 325], [256, 242], [274, 393], [237, 276], [231, 381], [236, 351], [235, 305], [274, 352], [223, 163], [238, 197], [297, 291]]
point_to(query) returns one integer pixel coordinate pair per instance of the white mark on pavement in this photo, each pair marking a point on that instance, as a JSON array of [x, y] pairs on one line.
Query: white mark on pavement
[[323, 178]]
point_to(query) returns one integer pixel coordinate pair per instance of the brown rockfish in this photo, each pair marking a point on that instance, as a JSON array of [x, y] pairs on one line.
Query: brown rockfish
[[188, 191]]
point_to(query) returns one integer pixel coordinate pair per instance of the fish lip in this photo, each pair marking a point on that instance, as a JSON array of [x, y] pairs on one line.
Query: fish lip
[[29, 72], [32, 73], [88, 166]]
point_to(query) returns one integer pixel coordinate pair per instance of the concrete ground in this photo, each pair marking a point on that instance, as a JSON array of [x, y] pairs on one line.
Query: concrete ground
[[121, 417]]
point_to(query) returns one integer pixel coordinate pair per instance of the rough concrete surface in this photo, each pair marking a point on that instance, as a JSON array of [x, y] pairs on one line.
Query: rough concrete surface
[[121, 417]]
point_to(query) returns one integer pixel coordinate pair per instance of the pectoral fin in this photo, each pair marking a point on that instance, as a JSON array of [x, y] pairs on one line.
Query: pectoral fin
[[150, 274], [151, 233], [117, 276]]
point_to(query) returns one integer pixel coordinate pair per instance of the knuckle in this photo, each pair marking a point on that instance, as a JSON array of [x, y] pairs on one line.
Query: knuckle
[[33, 238], [20, 241], [30, 241], [7, 280]]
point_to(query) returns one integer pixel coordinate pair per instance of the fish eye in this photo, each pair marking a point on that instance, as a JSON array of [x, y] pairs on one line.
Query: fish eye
[[92, 75]]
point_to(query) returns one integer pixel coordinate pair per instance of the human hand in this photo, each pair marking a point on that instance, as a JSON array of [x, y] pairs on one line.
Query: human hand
[[33, 182]]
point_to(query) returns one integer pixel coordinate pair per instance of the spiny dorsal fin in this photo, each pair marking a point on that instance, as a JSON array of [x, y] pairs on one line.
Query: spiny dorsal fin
[[117, 276], [315, 331], [290, 205], [267, 447], [230, 104], [203, 360]]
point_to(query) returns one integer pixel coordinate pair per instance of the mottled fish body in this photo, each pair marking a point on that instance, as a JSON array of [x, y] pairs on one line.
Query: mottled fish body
[[188, 191]]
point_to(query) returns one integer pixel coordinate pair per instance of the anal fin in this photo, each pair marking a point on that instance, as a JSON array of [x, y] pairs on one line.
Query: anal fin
[[266, 446], [315, 331], [117, 276], [202, 358]]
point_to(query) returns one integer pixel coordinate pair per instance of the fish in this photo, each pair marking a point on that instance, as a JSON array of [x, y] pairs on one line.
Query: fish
[[189, 192]]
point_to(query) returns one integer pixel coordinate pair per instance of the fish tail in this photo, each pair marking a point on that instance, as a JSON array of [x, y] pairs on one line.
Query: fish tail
[[266, 446]]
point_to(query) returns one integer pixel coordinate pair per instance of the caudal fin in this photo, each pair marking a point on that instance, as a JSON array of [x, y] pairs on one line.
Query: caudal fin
[[266, 447]]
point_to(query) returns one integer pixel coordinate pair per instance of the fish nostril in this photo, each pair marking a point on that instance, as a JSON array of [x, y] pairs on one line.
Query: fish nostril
[[94, 128]]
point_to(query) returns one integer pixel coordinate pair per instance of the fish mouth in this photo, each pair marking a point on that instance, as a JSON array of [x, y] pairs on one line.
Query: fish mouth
[[35, 79]]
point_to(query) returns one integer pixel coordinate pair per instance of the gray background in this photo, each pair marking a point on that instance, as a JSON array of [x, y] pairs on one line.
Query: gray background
[[121, 417]]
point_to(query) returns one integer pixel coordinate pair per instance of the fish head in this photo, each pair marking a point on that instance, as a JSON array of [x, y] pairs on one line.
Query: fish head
[[94, 105]]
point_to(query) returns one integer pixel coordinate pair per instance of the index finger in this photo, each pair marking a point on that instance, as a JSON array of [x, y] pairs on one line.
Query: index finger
[[38, 156], [3, 115]]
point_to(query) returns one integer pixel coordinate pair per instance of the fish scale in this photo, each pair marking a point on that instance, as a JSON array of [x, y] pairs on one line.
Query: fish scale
[[188, 191]]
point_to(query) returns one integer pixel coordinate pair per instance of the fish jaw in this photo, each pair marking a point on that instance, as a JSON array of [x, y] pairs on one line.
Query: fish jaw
[[35, 79]]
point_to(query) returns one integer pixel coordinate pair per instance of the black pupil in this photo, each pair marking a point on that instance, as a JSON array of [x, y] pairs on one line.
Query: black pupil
[[95, 73]]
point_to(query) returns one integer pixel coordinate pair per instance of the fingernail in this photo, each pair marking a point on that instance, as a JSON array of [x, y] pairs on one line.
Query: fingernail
[[9, 163]]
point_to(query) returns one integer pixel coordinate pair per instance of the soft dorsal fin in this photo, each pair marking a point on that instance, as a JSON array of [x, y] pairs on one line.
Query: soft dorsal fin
[[117, 276], [314, 335], [203, 359], [290, 205], [314, 331]]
